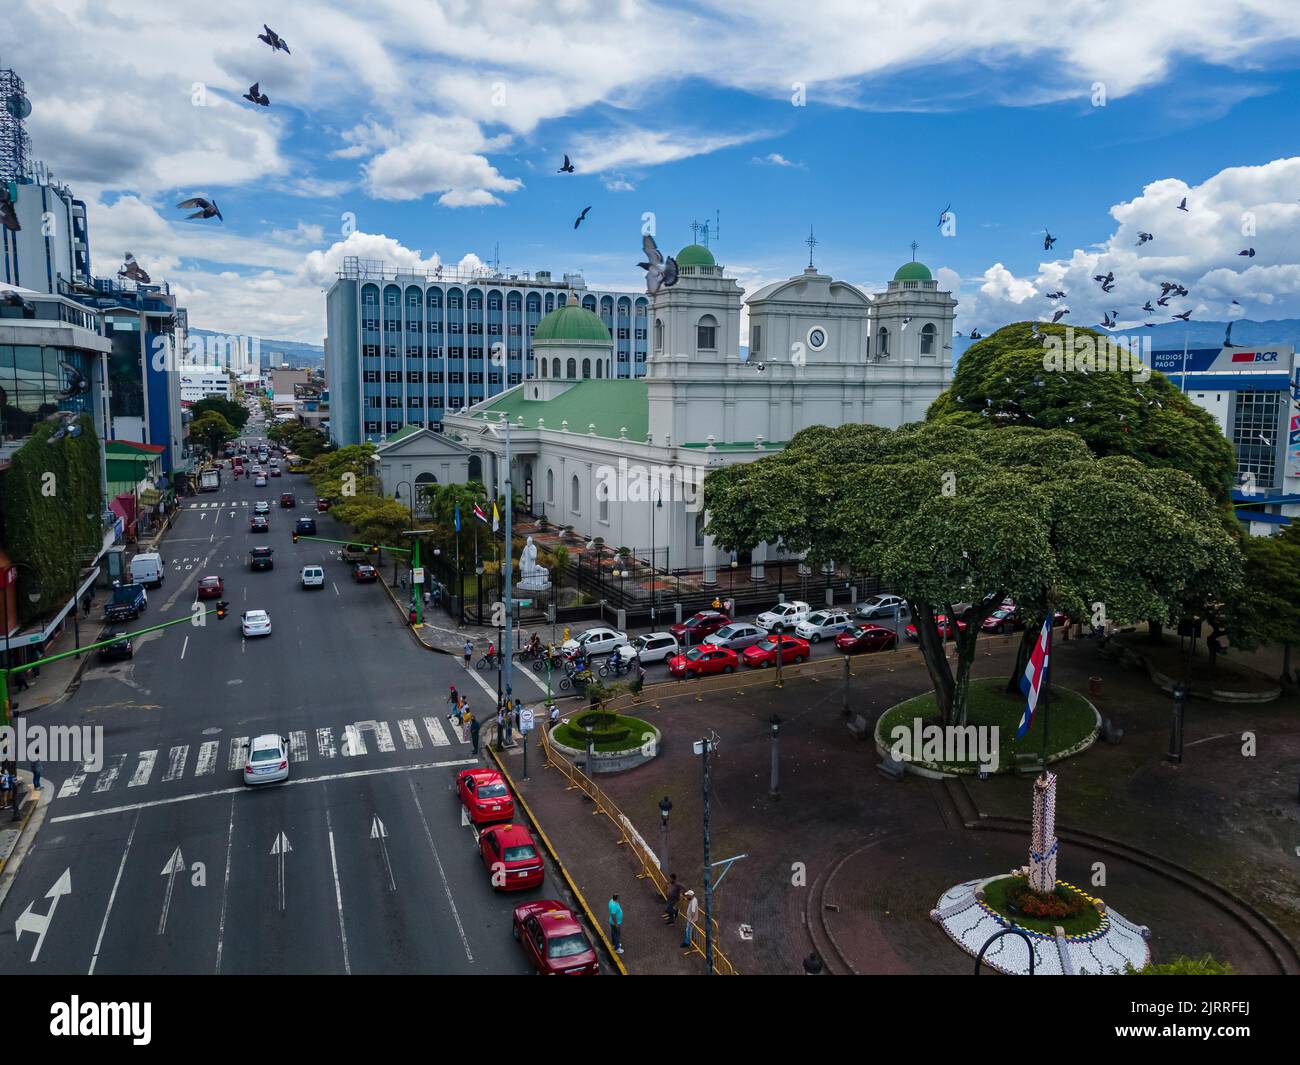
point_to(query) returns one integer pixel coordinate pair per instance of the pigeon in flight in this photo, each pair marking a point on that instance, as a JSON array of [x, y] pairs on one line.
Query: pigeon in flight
[[1034, 332], [1184, 316], [1060, 314], [1057, 295], [1265, 440], [975, 334], [1107, 280], [1249, 253], [760, 367], [943, 215], [1108, 320], [133, 270], [578, 220], [906, 323], [1163, 301], [1167, 287], [1183, 206], [659, 272], [205, 208], [254, 95], [272, 38], [1147, 307], [1149, 325], [566, 167], [1048, 240], [1144, 237]]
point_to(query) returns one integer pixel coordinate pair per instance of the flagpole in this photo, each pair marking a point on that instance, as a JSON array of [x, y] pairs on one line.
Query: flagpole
[[1046, 694]]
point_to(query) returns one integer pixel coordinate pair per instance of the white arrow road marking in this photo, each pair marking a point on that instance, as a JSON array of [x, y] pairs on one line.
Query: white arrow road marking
[[325, 742], [379, 832], [236, 759], [207, 761], [281, 847], [111, 769], [338, 894], [175, 864], [410, 734], [40, 922], [143, 770], [437, 736]]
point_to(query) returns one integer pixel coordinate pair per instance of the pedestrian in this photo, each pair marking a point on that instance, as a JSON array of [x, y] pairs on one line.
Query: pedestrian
[[639, 682], [6, 787], [20, 679], [555, 714], [812, 965], [453, 703], [501, 714], [474, 728], [692, 914], [616, 923], [85, 606], [36, 774], [671, 899], [508, 716], [469, 651]]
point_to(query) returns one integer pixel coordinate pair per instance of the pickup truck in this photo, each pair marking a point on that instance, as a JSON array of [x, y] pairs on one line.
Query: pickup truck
[[127, 603], [352, 553]]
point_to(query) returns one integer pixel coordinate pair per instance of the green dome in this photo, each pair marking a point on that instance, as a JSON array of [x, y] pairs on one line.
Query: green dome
[[695, 255], [572, 322], [913, 272]]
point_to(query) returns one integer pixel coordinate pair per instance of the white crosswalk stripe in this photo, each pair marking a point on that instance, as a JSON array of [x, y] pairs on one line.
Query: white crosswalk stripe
[[459, 729], [207, 763], [410, 734], [298, 746], [354, 743], [143, 769], [325, 742], [383, 736], [176, 762], [437, 735], [72, 785], [238, 745], [108, 777]]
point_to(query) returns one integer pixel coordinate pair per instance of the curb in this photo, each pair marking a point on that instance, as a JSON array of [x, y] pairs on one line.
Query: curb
[[555, 857], [31, 823], [406, 622]]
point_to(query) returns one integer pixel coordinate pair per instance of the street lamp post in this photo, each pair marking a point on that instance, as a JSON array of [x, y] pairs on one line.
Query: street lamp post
[[704, 748], [774, 788], [657, 505], [414, 563], [1175, 754], [665, 808]]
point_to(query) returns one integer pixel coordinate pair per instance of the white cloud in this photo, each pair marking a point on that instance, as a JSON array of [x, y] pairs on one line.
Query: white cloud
[[776, 159], [631, 146], [619, 184]]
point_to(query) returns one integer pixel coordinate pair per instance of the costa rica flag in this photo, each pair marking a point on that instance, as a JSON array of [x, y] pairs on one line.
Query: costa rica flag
[[478, 513], [1035, 673]]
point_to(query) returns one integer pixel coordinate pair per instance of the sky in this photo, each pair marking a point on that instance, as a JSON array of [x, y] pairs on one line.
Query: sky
[[430, 133]]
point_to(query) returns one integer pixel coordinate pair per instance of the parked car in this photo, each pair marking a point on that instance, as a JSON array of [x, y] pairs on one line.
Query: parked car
[[305, 526], [119, 649], [259, 524], [484, 795], [313, 576], [1004, 619], [267, 760], [882, 606], [553, 939], [763, 654], [149, 569], [364, 573], [287, 501], [865, 638], [127, 603], [511, 858], [823, 623], [255, 623], [211, 588], [655, 646], [783, 616], [703, 660], [738, 635], [945, 629], [261, 507], [354, 553], [697, 626], [261, 558], [598, 640]]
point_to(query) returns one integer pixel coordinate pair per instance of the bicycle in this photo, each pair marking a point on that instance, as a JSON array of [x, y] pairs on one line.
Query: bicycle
[[489, 661]]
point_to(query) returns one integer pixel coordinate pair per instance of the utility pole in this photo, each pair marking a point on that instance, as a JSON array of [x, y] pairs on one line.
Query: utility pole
[[705, 747], [508, 659]]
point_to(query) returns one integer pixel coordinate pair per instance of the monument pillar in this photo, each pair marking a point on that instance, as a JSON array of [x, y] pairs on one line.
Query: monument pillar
[[1042, 847]]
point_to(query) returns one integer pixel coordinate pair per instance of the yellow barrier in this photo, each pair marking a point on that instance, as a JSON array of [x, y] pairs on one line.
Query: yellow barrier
[[649, 867]]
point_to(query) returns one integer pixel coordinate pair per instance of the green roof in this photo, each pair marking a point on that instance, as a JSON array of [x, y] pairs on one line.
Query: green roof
[[913, 272], [401, 434], [572, 322], [695, 255], [611, 405]]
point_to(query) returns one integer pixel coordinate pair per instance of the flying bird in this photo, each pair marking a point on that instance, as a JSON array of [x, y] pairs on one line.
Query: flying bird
[[1048, 240], [1060, 314], [8, 216], [1106, 279], [943, 215], [1148, 308], [1034, 332], [659, 272], [1163, 301], [1249, 253], [133, 270], [566, 167], [578, 220], [1144, 237], [975, 334], [1184, 316], [205, 208], [1183, 206], [906, 323], [254, 95], [1265, 440], [1108, 320], [1149, 325], [1057, 295], [273, 39]]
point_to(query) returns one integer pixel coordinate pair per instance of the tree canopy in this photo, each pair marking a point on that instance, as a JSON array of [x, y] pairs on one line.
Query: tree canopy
[[212, 430], [235, 413]]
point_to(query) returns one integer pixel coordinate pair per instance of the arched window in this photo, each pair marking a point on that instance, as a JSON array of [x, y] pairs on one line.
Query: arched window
[[550, 486], [882, 342], [586, 368], [706, 334], [600, 367], [659, 334], [572, 369], [555, 368], [699, 529], [927, 339], [475, 472], [425, 486], [542, 366], [604, 508], [575, 497]]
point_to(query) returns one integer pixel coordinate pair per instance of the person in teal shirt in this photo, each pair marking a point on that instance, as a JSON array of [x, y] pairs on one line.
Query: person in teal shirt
[[616, 923]]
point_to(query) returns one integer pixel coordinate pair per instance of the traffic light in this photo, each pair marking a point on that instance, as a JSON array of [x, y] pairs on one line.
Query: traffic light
[[295, 538], [374, 549], [222, 606]]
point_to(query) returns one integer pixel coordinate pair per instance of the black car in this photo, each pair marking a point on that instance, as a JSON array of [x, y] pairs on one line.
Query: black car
[[117, 650], [305, 527], [261, 558], [259, 524]]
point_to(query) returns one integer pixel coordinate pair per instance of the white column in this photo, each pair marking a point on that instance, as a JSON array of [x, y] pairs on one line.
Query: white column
[[757, 558]]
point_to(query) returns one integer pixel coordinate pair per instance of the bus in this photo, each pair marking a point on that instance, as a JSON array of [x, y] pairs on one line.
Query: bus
[[296, 463]]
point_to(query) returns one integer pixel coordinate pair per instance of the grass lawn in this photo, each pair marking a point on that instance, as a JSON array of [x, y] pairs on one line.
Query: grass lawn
[[1072, 721], [577, 738], [996, 895], [1173, 661]]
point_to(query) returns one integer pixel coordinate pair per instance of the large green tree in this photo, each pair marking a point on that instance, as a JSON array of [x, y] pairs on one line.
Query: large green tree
[[1267, 611], [212, 430], [235, 413], [957, 519]]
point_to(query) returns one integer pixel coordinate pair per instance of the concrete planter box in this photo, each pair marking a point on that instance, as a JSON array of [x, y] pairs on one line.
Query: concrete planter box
[[613, 761], [1133, 657]]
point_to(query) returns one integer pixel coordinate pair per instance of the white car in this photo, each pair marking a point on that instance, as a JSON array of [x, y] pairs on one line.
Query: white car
[[267, 760], [261, 507], [738, 635], [255, 623], [882, 606], [823, 623], [656, 647], [595, 641], [313, 577], [783, 616], [259, 482]]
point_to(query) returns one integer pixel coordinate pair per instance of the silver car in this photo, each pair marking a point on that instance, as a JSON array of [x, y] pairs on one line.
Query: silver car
[[882, 606], [267, 760], [738, 635], [823, 623]]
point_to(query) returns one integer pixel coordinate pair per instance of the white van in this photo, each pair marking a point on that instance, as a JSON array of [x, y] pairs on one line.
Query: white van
[[313, 577], [148, 569]]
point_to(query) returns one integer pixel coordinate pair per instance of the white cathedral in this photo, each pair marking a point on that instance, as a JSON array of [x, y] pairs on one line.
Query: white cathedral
[[624, 459]]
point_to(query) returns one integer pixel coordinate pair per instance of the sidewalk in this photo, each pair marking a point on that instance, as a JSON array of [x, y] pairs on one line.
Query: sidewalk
[[58, 678]]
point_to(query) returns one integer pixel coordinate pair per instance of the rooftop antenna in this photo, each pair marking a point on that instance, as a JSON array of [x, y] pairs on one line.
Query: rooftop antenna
[[812, 242], [915, 245]]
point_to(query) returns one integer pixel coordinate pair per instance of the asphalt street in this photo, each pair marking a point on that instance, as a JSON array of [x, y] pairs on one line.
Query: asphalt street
[[163, 861]]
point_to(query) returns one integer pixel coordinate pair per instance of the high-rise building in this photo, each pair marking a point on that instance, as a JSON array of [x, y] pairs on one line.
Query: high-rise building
[[404, 347]]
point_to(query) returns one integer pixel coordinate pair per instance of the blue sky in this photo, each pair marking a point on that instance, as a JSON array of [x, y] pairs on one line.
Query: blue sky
[[399, 119]]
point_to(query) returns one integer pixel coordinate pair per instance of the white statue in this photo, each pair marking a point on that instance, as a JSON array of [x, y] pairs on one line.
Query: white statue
[[530, 572]]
